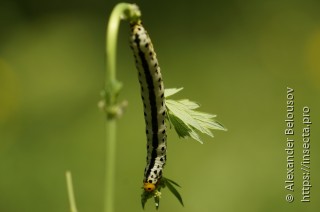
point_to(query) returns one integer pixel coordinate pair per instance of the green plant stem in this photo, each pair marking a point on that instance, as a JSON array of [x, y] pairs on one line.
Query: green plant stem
[[111, 129], [121, 11], [72, 200], [129, 12]]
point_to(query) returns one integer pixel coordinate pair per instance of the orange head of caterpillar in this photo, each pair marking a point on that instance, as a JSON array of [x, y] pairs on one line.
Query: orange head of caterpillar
[[149, 187]]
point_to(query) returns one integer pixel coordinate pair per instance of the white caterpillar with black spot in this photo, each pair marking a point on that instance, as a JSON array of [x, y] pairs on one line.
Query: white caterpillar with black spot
[[152, 94]]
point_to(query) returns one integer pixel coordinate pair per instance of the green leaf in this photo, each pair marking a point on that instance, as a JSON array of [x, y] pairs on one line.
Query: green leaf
[[173, 182], [189, 104], [171, 91], [145, 196], [174, 191], [180, 127], [187, 121]]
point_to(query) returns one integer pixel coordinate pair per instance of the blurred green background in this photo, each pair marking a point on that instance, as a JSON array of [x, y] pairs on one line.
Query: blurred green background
[[234, 57]]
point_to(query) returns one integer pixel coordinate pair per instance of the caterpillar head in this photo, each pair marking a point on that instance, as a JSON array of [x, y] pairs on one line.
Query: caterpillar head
[[149, 187]]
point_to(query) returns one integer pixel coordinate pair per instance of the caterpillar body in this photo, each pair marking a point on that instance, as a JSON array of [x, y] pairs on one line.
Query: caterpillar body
[[152, 94]]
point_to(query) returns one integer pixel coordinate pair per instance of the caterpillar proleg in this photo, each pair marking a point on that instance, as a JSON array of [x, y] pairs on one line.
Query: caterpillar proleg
[[152, 94]]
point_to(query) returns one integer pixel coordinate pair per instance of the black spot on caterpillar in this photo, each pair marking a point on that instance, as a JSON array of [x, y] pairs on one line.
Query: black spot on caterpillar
[[153, 100]]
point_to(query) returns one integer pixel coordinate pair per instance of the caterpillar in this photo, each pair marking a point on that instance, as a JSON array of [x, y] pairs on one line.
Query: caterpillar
[[152, 94]]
